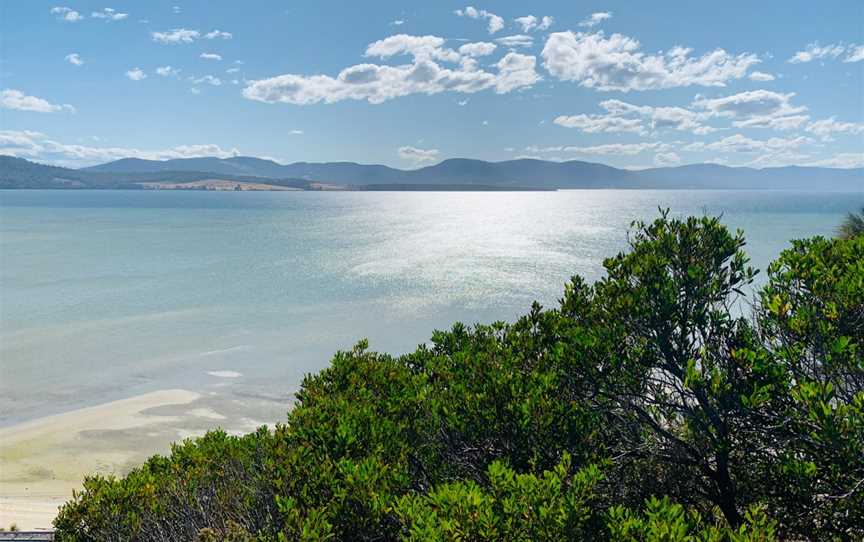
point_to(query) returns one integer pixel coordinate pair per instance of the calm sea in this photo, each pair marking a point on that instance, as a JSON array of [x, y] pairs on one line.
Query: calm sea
[[107, 294]]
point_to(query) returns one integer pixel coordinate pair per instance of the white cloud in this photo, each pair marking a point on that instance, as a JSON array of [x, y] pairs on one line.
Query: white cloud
[[593, 124], [626, 117], [232, 70], [855, 53], [814, 51], [218, 34], [296, 132], [37, 146], [398, 22], [741, 144], [418, 156], [420, 47], [178, 35], [516, 40], [185, 35], [756, 109], [377, 83], [610, 148], [665, 159], [596, 18], [480, 48], [136, 74], [515, 71], [109, 14], [761, 76], [775, 123], [68, 15], [208, 79], [661, 118], [616, 63], [74, 59], [167, 71], [825, 127], [495, 23], [530, 22], [15, 99], [210, 56]]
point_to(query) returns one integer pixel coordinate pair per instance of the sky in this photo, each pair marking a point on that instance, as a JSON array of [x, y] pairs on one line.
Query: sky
[[408, 84]]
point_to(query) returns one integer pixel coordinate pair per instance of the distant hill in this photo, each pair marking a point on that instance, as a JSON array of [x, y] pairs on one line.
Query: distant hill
[[479, 174], [240, 165], [21, 173]]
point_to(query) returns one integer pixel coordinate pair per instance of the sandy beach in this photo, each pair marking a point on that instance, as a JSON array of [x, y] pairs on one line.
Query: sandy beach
[[43, 460]]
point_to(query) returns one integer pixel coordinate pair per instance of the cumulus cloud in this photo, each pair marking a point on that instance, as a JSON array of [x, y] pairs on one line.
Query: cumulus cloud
[[210, 56], [74, 59], [37, 146], [178, 35], [516, 40], [515, 71], [377, 83], [593, 124], [596, 18], [15, 99], [495, 23], [418, 156], [610, 148], [761, 76], [109, 14], [186, 35], [68, 15], [480, 48], [218, 35], [739, 143], [167, 71], [616, 63], [826, 127], [855, 53], [420, 47], [814, 51], [625, 117], [136, 74], [530, 22], [756, 109]]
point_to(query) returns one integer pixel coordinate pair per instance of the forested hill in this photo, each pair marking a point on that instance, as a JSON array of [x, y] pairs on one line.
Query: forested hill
[[516, 174]]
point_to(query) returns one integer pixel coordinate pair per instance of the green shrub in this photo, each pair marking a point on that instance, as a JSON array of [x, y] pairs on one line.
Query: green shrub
[[555, 505], [652, 405]]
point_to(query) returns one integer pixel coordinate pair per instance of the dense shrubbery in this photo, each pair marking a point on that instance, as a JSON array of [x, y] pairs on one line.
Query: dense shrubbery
[[654, 405]]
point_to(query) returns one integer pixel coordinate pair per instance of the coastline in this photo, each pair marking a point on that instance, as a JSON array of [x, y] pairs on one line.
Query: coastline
[[43, 460]]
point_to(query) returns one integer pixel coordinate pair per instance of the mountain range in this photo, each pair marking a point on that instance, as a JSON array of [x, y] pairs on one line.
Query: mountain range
[[457, 173]]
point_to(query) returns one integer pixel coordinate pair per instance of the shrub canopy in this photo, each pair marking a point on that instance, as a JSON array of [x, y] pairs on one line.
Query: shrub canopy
[[659, 404]]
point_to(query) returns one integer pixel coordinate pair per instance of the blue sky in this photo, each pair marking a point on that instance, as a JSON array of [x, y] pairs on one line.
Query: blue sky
[[631, 84]]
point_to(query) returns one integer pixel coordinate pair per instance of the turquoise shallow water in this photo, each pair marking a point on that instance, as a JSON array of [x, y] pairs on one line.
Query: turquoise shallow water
[[106, 294]]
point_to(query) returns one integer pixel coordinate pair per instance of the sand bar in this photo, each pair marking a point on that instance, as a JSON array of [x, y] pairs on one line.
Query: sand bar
[[43, 460]]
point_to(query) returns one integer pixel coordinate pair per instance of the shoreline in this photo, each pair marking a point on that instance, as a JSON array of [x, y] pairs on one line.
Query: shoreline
[[43, 460]]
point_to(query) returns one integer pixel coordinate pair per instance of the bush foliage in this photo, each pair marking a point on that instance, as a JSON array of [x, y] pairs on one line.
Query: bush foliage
[[658, 404]]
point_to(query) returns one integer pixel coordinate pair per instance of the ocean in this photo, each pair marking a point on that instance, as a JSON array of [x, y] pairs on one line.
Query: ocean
[[109, 294]]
